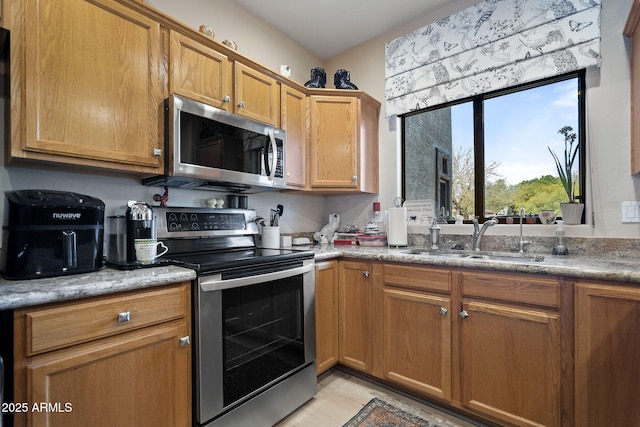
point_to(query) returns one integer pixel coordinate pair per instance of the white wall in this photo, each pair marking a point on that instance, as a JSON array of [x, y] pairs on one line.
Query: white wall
[[607, 117]]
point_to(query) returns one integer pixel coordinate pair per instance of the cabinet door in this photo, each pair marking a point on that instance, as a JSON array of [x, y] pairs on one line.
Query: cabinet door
[[257, 96], [632, 30], [199, 72], [607, 349], [326, 315], [417, 341], [92, 92], [511, 363], [294, 122], [369, 158], [356, 311], [141, 378], [334, 142]]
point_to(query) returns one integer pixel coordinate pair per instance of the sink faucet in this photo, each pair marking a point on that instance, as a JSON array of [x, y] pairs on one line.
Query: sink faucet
[[479, 232], [522, 243]]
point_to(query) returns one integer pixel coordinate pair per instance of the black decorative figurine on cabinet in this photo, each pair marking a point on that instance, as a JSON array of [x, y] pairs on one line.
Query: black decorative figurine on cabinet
[[318, 78], [342, 80]]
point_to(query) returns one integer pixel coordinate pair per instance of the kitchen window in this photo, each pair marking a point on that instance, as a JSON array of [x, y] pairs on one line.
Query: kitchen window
[[489, 155]]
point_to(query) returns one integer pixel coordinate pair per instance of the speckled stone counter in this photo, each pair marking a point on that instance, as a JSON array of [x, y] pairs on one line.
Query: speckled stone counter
[[23, 293], [572, 266]]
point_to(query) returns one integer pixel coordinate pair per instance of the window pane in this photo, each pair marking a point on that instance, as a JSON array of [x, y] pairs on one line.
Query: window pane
[[463, 203], [427, 135], [518, 128]]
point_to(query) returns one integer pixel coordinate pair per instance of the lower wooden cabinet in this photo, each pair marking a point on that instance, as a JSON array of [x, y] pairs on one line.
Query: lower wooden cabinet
[[326, 315], [510, 347], [358, 314], [416, 329], [607, 355], [138, 376], [511, 363], [513, 349]]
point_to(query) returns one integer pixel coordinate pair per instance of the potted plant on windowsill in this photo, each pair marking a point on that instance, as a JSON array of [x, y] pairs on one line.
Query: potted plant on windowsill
[[571, 211]]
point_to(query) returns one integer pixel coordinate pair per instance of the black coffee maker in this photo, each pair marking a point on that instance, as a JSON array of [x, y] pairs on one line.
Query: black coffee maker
[[141, 224]]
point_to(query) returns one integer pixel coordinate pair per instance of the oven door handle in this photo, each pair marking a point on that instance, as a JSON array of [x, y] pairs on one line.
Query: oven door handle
[[215, 282]]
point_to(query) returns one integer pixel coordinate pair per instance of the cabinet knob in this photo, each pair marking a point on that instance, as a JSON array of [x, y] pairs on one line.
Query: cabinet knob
[[241, 104], [124, 317], [443, 311], [365, 274], [226, 99], [464, 314], [185, 341], [354, 178], [157, 152]]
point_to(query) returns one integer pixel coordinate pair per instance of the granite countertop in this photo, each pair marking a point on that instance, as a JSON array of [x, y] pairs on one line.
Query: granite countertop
[[571, 266], [23, 293]]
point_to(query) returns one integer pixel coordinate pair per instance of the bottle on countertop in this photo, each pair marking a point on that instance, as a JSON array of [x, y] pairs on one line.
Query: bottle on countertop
[[559, 247]]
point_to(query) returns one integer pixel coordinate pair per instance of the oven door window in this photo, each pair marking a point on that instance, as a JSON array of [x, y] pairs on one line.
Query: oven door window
[[263, 335]]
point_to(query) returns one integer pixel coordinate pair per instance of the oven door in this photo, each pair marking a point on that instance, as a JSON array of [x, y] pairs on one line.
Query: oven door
[[253, 330]]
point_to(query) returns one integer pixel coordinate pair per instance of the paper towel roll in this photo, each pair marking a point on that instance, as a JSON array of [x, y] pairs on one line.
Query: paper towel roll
[[397, 226]]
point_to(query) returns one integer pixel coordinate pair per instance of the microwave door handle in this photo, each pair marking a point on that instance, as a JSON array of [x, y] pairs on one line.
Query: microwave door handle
[[274, 158], [69, 249]]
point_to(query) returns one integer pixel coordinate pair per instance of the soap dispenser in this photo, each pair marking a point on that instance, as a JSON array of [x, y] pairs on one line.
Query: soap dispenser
[[434, 234], [558, 245]]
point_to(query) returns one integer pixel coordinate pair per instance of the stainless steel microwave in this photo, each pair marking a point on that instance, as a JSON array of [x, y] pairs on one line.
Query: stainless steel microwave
[[209, 148]]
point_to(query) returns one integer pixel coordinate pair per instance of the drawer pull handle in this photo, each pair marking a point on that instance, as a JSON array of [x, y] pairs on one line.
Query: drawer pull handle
[[185, 341], [124, 317]]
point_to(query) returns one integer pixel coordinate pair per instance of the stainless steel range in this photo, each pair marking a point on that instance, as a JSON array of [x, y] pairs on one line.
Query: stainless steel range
[[254, 319]]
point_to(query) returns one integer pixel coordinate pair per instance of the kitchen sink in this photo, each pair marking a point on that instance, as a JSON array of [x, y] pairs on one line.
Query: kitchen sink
[[482, 255]]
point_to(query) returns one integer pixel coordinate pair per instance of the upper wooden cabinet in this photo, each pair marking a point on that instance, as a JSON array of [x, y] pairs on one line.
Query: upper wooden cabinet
[[343, 142], [631, 30], [199, 72], [293, 115], [86, 84], [204, 74], [257, 96]]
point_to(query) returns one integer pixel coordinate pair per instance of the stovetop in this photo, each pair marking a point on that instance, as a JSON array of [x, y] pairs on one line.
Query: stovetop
[[210, 262], [210, 240]]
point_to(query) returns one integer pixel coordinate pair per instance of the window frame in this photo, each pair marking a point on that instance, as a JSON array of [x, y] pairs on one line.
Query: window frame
[[478, 137]]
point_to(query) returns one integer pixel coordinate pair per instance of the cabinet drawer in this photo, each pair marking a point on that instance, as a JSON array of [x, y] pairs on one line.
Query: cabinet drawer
[[512, 287], [71, 323], [420, 278]]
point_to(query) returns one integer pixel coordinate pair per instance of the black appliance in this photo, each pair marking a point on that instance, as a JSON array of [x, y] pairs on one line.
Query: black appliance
[[49, 233], [254, 317], [141, 224]]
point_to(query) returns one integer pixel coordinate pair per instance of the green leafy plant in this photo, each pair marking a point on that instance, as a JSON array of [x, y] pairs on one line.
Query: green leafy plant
[[565, 171]]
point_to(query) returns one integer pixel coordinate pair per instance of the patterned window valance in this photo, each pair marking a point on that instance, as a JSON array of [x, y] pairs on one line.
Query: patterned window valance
[[492, 45]]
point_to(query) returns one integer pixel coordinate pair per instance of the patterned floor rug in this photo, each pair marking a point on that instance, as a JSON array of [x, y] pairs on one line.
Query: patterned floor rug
[[377, 413]]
